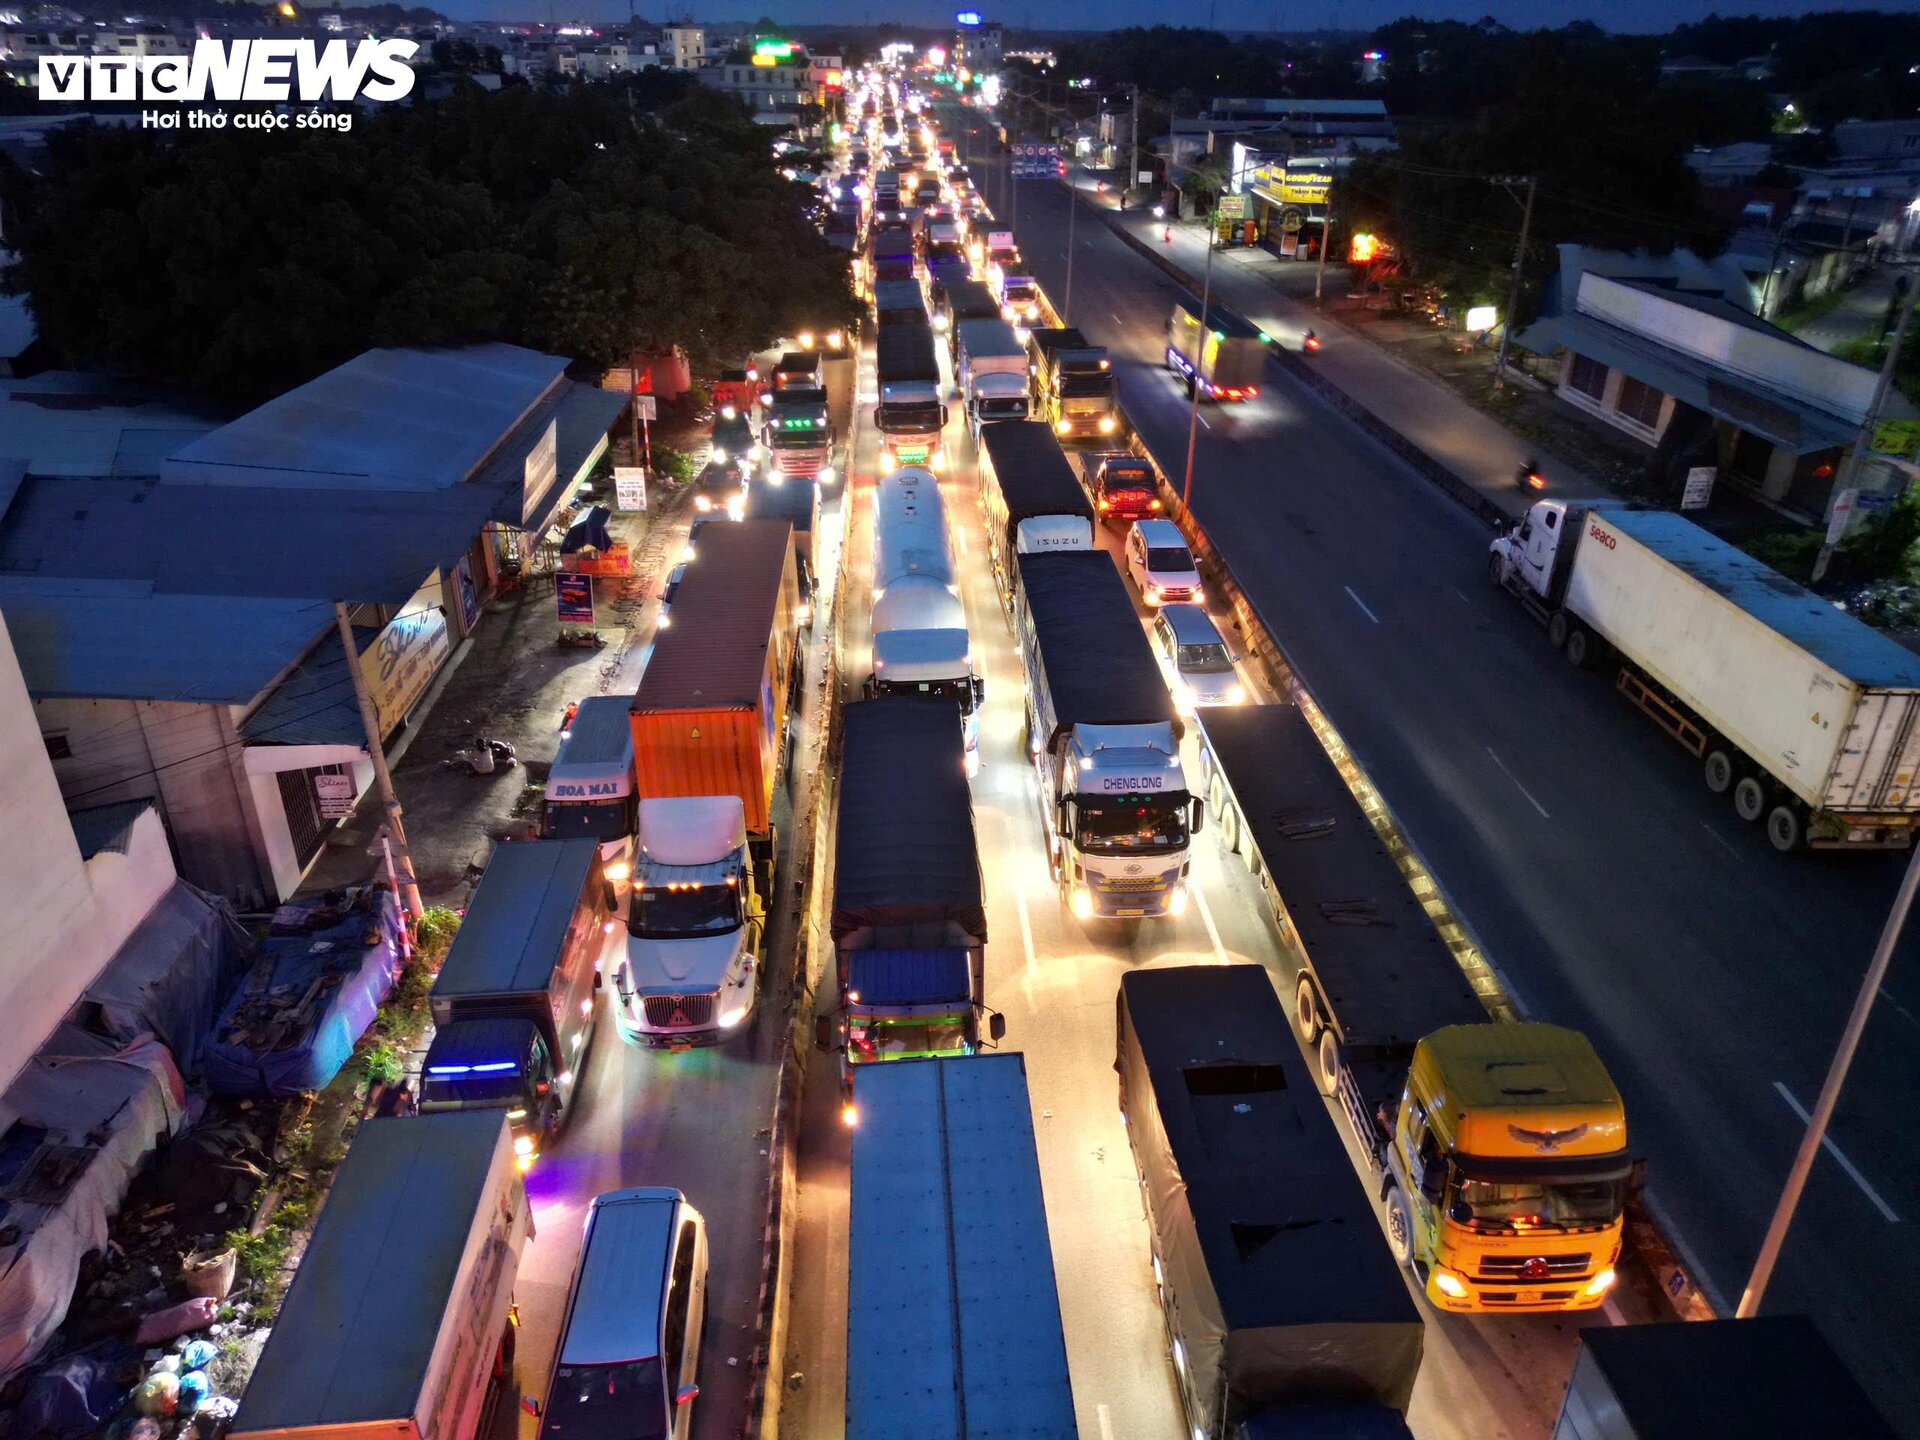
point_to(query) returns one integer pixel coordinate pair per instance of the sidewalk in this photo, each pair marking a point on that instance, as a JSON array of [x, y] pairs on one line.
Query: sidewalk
[[1860, 312]]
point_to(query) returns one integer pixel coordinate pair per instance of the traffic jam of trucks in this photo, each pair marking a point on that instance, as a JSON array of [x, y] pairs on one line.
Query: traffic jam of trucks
[[1495, 1173]]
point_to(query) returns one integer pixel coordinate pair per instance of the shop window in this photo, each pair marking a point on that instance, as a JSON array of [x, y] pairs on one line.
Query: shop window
[[1639, 403], [305, 825], [1588, 376], [57, 746]]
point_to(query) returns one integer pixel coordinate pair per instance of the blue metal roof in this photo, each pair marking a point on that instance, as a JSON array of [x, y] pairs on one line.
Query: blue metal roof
[[516, 924], [385, 420], [315, 705], [910, 977], [1832, 636], [107, 640], [100, 828], [581, 415]]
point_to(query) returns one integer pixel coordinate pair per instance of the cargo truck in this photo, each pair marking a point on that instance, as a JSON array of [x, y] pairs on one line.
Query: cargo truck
[[990, 368], [1500, 1149], [1104, 738], [1073, 389], [798, 503], [1285, 1312], [963, 300], [920, 642], [1123, 487], [1021, 304], [589, 788], [1807, 718], [513, 1005], [898, 302], [1772, 1377], [1233, 359], [953, 1316], [417, 1246], [909, 920], [910, 417], [889, 250], [1032, 501], [797, 438]]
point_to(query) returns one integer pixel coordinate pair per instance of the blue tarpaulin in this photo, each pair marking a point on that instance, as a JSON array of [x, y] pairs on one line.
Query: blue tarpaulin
[[590, 532], [296, 1017]]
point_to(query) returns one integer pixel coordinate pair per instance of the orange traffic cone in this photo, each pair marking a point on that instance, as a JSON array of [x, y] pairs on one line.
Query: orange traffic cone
[[1166, 235]]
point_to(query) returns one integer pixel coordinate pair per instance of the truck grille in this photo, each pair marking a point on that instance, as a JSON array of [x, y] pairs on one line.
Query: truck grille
[[797, 462], [679, 1012], [1514, 1267], [1117, 882], [1491, 1298]]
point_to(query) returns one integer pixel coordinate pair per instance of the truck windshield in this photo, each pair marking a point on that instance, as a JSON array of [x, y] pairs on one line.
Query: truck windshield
[[1014, 409], [1018, 292], [910, 418], [666, 911], [959, 689], [907, 1039], [587, 820], [1126, 825], [607, 1402], [1574, 1202], [1205, 660], [477, 1091], [1085, 386]]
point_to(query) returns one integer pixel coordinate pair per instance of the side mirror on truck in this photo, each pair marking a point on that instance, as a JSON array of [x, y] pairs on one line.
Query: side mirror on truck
[[996, 1027], [1199, 815], [867, 687], [1063, 816], [979, 689], [823, 1032]]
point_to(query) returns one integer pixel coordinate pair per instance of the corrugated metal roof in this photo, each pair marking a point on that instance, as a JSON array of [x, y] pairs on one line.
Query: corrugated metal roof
[[518, 918], [382, 1263], [315, 705], [581, 414], [107, 640], [66, 422], [723, 614], [106, 827], [387, 419], [599, 734], [910, 977], [1831, 635]]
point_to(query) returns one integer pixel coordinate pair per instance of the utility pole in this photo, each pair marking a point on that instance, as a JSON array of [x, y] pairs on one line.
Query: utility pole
[[1133, 151], [1320, 272], [1199, 349], [1773, 266], [1513, 293], [1816, 1135], [370, 723], [1073, 206], [1863, 442]]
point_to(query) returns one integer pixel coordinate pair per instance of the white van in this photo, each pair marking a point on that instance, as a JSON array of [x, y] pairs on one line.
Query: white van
[[630, 1345], [1160, 563]]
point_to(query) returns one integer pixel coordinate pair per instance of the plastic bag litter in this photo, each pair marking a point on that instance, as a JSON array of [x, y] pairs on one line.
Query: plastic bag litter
[[194, 1314], [198, 1354], [158, 1395], [167, 1364], [213, 1416], [193, 1389]]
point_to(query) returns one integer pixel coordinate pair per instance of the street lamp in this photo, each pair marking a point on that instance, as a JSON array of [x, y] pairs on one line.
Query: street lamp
[[1199, 348]]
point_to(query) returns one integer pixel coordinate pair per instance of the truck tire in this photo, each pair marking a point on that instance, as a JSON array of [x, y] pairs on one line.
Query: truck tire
[[1559, 626], [1229, 827], [1718, 770], [1496, 571], [1580, 646], [1749, 799], [1786, 827], [1306, 1010], [1400, 1227], [1327, 1062]]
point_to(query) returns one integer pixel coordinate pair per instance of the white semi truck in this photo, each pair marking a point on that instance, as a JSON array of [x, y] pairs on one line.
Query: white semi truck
[[1103, 734], [920, 640], [1807, 718]]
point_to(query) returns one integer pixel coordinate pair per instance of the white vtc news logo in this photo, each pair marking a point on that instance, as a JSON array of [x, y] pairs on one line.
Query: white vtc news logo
[[238, 71]]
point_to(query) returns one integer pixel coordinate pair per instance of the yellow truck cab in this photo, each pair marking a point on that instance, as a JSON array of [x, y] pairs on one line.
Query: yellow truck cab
[[1509, 1169]]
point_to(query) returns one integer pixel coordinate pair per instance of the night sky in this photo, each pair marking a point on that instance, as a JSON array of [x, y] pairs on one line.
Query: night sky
[[1622, 15]]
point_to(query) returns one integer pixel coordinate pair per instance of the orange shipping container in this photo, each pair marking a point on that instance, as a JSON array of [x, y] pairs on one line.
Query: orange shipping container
[[711, 714]]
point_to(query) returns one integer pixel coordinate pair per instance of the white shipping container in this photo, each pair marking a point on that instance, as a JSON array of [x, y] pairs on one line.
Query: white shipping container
[[1825, 704]]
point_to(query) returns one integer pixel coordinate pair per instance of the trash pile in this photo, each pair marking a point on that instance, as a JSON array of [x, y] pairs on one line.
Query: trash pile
[[1891, 605]]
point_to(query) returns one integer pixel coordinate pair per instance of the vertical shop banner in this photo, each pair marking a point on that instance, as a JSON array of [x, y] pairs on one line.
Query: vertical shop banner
[[573, 597], [402, 663]]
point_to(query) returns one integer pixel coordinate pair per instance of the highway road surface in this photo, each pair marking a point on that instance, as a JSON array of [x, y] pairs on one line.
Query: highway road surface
[[1494, 1379], [1610, 890]]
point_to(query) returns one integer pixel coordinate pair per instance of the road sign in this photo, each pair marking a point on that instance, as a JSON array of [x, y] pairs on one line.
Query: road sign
[[334, 794], [1699, 487], [573, 597], [630, 487], [1144, 178], [1032, 161], [1841, 515], [647, 406]]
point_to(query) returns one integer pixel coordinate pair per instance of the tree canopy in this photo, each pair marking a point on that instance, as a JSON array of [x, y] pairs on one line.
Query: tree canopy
[[583, 224]]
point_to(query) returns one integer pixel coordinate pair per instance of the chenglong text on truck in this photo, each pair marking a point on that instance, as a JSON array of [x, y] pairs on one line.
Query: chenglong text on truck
[[1810, 720], [1500, 1148], [909, 922], [1103, 736]]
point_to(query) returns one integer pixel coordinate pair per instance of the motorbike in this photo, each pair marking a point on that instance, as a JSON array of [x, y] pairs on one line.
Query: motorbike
[[1528, 477], [1309, 343], [484, 756]]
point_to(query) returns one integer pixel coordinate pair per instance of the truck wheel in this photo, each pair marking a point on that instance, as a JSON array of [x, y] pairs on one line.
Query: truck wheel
[[1306, 1010], [1328, 1069], [1580, 647], [1718, 770], [1785, 828], [1400, 1227], [1496, 571], [1229, 827], [1558, 628], [1749, 799]]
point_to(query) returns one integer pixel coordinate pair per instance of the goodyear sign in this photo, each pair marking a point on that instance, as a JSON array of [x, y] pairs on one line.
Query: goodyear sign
[[1290, 185]]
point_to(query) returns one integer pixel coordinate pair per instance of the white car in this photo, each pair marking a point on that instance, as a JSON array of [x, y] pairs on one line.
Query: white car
[[1195, 659], [1160, 563]]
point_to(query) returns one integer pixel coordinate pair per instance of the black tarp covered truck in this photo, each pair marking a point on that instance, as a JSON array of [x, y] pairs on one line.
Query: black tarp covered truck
[[1281, 1296]]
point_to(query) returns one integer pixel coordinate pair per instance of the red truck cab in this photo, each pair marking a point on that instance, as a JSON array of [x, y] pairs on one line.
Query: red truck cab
[[1125, 489]]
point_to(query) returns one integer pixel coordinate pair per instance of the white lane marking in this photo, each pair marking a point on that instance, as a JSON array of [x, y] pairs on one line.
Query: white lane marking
[[1106, 1422], [1887, 996], [1826, 1143], [1118, 321], [1206, 917], [1026, 924], [1361, 603], [1612, 1312], [1517, 785], [1461, 593], [1725, 844], [1203, 420]]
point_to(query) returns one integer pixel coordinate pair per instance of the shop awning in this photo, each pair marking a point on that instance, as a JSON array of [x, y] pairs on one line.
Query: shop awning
[[315, 704]]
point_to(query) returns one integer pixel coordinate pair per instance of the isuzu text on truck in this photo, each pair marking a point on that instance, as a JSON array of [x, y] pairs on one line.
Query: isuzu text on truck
[[1103, 735], [1810, 720]]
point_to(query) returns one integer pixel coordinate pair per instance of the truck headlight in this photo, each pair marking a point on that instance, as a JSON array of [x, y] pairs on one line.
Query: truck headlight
[[828, 475], [1450, 1284], [719, 454], [702, 503], [1599, 1284], [1063, 427], [737, 507], [1236, 695], [730, 1018], [1108, 424], [523, 1145], [1177, 901], [618, 870], [937, 461], [1081, 902]]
